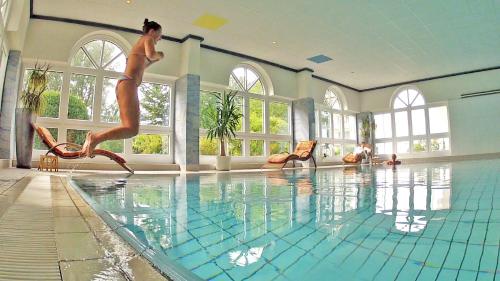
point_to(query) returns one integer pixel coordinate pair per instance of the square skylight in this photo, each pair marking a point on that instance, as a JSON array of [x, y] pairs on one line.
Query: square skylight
[[209, 21], [320, 59]]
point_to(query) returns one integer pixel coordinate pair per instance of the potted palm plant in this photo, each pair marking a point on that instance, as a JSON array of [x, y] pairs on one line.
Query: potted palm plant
[[31, 102], [226, 119], [367, 128]]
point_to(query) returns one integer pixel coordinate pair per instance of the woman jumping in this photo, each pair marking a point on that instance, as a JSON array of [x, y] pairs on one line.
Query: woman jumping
[[142, 55]]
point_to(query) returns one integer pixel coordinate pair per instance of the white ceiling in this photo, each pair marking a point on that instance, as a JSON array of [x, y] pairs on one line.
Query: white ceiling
[[372, 42]]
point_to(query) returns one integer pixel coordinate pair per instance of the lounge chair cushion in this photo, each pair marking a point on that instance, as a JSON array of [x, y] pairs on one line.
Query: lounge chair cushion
[[278, 158]]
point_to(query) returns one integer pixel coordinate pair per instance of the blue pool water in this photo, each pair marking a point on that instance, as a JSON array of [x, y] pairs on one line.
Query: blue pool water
[[418, 222]]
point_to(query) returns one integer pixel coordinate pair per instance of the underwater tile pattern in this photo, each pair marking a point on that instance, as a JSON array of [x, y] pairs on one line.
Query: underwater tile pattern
[[417, 222]]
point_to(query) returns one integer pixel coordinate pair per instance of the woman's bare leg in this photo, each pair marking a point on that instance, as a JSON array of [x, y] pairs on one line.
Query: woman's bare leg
[[128, 102]]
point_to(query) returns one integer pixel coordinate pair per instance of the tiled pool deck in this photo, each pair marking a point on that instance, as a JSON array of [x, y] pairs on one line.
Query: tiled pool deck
[[47, 232]]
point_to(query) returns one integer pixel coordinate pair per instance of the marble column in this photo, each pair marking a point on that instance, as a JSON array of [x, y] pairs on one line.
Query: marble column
[[187, 122], [9, 100]]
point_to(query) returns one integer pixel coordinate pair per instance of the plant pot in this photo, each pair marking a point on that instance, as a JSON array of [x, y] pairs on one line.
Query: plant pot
[[223, 163], [24, 137]]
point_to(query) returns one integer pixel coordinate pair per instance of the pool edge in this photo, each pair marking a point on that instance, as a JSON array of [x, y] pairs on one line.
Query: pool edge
[[169, 268]]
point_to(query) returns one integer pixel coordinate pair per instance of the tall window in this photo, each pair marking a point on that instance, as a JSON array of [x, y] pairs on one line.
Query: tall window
[[413, 127], [4, 10], [265, 126], [82, 97], [336, 129]]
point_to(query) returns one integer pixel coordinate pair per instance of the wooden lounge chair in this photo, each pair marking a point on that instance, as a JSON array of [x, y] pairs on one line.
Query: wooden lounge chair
[[355, 158], [62, 149], [303, 152]]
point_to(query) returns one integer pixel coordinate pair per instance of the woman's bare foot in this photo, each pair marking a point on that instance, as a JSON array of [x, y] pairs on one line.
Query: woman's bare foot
[[91, 145]]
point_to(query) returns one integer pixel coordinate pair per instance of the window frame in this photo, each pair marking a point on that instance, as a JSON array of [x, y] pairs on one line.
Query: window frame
[[245, 135], [343, 142], [411, 138], [63, 123]]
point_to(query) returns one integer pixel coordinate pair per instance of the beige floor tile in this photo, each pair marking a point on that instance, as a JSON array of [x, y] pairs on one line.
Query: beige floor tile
[[96, 224], [140, 269], [66, 212], [63, 203], [114, 245], [70, 224], [77, 246], [86, 211], [89, 270]]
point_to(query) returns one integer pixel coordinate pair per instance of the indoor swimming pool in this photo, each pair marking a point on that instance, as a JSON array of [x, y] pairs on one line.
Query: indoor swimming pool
[[417, 222]]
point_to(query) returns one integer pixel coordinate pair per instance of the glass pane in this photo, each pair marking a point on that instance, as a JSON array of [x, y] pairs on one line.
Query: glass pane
[[280, 147], [383, 148], [236, 147], [337, 126], [326, 150], [117, 64], [115, 146], [150, 144], [440, 144], [401, 120], [403, 147], [81, 96], [419, 100], [257, 88], [278, 118], [326, 124], [251, 79], [383, 127], [94, 49], [155, 104], [418, 122], [398, 103], [52, 96], [109, 106], [350, 127], [331, 100], [412, 94], [82, 60], [348, 148], [209, 147], [438, 119], [419, 145], [239, 74], [337, 150], [110, 51], [256, 147], [76, 136], [38, 144], [233, 84], [256, 116], [239, 102], [208, 110]]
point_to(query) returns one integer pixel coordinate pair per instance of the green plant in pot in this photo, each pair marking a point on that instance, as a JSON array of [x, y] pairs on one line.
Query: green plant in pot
[[31, 103], [226, 120]]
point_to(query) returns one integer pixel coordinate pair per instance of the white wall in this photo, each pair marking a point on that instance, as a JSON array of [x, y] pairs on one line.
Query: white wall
[[472, 120], [53, 41]]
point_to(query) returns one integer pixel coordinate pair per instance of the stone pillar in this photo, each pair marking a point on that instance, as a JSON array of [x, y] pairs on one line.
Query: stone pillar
[[304, 82], [187, 122], [9, 100], [304, 122], [187, 106]]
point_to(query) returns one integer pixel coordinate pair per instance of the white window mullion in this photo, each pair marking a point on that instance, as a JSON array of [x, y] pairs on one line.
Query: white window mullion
[[96, 110]]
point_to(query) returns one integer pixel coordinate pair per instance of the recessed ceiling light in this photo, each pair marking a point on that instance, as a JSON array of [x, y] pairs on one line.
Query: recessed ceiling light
[[274, 42], [128, 1]]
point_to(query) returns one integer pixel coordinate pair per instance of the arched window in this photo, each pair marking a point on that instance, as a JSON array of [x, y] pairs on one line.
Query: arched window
[[265, 126], [408, 97], [82, 97], [100, 54], [413, 126], [4, 10], [245, 79], [336, 129]]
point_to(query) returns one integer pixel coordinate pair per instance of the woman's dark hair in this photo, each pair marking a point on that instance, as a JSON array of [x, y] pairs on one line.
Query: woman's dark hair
[[148, 25]]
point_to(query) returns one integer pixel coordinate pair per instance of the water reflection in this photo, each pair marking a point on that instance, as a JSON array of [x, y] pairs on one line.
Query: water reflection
[[239, 217]]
